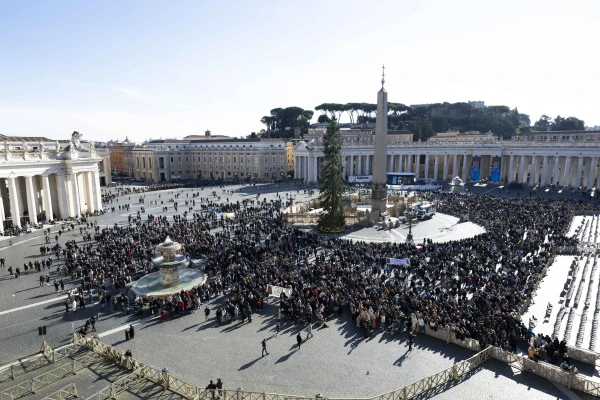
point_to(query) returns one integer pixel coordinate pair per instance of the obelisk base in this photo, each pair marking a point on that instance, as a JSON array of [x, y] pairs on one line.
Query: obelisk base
[[378, 203]]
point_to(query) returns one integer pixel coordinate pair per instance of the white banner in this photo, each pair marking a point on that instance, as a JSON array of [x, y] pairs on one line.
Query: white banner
[[397, 261], [276, 291]]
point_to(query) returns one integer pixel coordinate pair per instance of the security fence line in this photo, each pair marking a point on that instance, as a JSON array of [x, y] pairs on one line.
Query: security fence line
[[68, 392], [29, 364]]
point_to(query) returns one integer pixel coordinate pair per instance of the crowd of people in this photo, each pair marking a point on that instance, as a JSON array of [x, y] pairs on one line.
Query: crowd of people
[[474, 288]]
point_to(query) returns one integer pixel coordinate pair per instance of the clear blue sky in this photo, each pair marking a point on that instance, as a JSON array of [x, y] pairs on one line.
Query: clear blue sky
[[172, 68]]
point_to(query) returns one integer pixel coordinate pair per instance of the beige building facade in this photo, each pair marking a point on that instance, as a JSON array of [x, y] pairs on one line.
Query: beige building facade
[[208, 157]]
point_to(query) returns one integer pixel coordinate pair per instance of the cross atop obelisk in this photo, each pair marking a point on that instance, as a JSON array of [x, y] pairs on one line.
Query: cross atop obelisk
[[383, 76]]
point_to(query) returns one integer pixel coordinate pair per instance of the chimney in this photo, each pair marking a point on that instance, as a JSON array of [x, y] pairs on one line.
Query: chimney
[[207, 133]]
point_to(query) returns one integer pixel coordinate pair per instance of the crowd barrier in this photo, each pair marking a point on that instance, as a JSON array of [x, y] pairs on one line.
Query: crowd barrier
[[189, 391], [68, 392]]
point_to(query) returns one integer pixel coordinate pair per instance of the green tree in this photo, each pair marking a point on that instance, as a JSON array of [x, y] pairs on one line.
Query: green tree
[[567, 124], [543, 124], [323, 118], [332, 187]]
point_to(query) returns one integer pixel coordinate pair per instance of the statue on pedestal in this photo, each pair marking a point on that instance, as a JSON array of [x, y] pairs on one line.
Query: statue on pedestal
[[76, 140]]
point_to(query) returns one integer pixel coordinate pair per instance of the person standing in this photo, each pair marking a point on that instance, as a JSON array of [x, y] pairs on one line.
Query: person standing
[[62, 285], [411, 340], [93, 323], [55, 286], [131, 332], [206, 313], [41, 280], [264, 347], [220, 387], [299, 340], [277, 329]]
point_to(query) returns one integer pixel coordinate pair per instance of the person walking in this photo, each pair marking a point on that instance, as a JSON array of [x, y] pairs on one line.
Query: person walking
[[277, 329], [299, 340], [55, 286], [411, 340], [93, 323], [42, 280], [264, 347], [206, 313], [62, 285], [131, 332], [309, 331]]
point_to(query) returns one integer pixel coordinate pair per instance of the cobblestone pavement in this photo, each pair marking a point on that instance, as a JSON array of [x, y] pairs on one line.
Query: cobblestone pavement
[[336, 362]]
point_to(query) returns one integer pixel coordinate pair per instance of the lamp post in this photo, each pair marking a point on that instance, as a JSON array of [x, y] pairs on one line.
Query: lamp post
[[409, 237]]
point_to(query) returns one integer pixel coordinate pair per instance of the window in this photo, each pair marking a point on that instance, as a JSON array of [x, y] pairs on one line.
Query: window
[[266, 159], [179, 158], [150, 165], [280, 159], [171, 160], [187, 159], [274, 159], [144, 162]]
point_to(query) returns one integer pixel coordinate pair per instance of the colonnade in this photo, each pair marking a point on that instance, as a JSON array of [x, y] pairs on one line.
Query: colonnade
[[523, 166], [24, 198]]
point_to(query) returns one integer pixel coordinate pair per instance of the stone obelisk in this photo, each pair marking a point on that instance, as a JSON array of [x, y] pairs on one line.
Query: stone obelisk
[[379, 191]]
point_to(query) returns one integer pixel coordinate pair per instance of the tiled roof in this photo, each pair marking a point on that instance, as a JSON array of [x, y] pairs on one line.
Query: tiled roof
[[554, 132], [204, 137], [4, 138]]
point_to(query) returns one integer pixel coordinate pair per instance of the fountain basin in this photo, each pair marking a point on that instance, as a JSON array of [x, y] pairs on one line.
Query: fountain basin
[[152, 285]]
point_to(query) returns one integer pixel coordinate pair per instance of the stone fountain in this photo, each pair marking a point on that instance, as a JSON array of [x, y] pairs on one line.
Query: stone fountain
[[173, 277]]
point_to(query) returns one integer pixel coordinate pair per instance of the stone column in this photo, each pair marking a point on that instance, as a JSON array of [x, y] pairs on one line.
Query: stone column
[[445, 170], [2, 216], [74, 198], [295, 167], [15, 210], [579, 172], [426, 166], [390, 163], [532, 177], [367, 165], [555, 170], [91, 206], [566, 180], [409, 162], [544, 172], [97, 193], [464, 168], [31, 200], [46, 195], [511, 166], [351, 165], [435, 167], [592, 173], [63, 199], [417, 165], [400, 166], [305, 171], [521, 169], [454, 167], [359, 166]]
